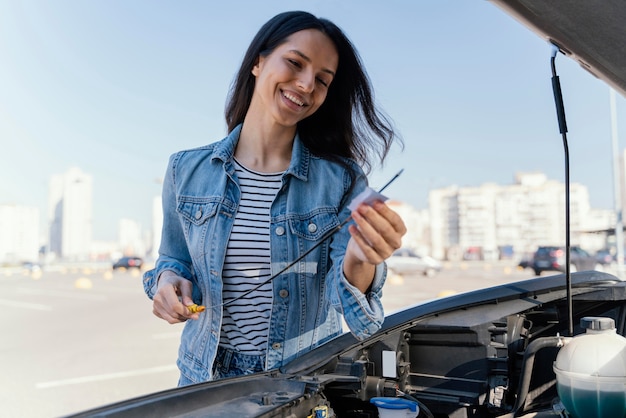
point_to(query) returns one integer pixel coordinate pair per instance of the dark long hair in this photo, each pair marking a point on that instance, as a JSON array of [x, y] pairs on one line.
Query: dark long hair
[[348, 124]]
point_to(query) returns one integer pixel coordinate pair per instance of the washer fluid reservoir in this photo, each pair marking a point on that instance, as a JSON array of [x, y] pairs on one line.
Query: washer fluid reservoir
[[591, 371]]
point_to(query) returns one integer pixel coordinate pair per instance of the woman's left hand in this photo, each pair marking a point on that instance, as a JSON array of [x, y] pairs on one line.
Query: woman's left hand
[[376, 233]]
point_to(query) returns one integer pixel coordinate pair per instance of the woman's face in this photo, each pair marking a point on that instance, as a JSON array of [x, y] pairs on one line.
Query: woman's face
[[293, 80]]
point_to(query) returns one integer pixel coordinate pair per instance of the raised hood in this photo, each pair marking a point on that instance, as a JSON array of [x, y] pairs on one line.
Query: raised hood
[[591, 32]]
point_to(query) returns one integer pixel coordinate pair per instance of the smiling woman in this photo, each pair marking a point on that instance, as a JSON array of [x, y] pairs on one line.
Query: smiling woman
[[302, 124]]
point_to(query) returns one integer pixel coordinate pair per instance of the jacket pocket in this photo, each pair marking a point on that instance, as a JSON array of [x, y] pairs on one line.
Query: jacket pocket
[[196, 210], [313, 226]]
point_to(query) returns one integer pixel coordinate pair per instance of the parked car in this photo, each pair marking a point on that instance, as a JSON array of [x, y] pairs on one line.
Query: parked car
[[608, 257], [605, 257], [552, 258], [473, 253], [31, 267], [406, 261], [128, 262]]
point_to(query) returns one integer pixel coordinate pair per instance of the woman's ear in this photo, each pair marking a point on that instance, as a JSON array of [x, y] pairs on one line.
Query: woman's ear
[[256, 68]]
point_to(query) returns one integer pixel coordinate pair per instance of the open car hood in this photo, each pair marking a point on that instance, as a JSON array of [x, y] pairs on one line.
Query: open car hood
[[485, 353], [591, 32]]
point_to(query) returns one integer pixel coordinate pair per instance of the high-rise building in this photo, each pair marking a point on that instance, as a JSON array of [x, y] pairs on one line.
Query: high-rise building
[[417, 224], [19, 234], [521, 216], [70, 214], [130, 240]]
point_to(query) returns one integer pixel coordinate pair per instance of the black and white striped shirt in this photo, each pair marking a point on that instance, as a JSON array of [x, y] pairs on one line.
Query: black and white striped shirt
[[245, 323]]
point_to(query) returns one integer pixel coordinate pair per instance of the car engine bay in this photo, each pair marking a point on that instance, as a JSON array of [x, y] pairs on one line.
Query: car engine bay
[[486, 353], [482, 362]]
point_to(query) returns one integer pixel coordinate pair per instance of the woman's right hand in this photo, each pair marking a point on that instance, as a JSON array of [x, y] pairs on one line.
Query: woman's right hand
[[172, 297]]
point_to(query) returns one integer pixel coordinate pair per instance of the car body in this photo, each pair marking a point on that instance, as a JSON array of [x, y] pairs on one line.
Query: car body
[[552, 258], [466, 355], [605, 257], [487, 353], [608, 257], [473, 254], [31, 267], [406, 261], [128, 262]]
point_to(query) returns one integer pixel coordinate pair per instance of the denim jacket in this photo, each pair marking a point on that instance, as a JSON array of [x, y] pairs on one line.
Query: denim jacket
[[200, 199]]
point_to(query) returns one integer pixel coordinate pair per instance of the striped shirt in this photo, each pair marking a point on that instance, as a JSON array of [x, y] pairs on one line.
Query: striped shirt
[[245, 322]]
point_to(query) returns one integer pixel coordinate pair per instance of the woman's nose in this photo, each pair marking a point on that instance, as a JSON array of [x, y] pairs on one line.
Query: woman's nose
[[306, 82]]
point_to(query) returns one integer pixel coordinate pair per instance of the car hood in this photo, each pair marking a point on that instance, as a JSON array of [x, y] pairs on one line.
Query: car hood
[[454, 355], [591, 32]]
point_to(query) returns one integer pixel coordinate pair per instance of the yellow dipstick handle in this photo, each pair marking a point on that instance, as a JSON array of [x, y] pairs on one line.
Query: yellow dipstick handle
[[196, 308]]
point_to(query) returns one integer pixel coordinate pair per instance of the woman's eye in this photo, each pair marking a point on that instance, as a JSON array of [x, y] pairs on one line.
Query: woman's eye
[[294, 63], [322, 82]]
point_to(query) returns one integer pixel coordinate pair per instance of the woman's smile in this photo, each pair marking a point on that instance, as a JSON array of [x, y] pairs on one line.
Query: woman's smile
[[293, 99]]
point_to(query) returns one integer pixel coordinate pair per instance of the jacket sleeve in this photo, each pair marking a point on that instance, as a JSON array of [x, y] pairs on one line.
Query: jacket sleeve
[[173, 251], [363, 313]]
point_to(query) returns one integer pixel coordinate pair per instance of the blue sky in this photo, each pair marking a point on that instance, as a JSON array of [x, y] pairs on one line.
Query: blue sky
[[114, 87]]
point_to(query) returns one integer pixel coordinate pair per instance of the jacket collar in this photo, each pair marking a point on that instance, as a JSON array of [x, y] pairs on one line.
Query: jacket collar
[[300, 154]]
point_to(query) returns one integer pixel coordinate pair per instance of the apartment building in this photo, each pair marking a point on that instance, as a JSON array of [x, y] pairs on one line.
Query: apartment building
[[19, 234], [70, 213], [521, 216]]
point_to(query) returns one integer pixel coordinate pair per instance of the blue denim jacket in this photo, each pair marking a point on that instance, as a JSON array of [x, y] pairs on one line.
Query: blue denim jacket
[[200, 198]]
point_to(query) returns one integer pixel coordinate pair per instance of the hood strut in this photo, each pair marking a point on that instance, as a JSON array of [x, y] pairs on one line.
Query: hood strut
[[560, 113]]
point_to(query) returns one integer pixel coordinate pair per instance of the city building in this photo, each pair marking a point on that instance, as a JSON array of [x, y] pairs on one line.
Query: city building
[[485, 222], [481, 222], [417, 223], [70, 212], [130, 240], [19, 234]]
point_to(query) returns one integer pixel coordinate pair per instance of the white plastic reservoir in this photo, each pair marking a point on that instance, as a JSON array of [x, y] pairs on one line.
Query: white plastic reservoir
[[591, 371], [395, 407]]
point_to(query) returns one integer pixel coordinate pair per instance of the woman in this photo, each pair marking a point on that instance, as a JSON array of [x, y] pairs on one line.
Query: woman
[[301, 123]]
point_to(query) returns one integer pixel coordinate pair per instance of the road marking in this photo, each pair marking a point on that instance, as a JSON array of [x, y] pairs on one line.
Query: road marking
[[25, 305], [107, 376]]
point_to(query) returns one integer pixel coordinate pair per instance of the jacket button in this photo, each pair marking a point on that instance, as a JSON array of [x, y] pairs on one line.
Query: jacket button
[[312, 228], [276, 346], [280, 230], [283, 293], [199, 214]]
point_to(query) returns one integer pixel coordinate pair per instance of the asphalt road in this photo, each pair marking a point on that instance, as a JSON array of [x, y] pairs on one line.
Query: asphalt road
[[73, 339]]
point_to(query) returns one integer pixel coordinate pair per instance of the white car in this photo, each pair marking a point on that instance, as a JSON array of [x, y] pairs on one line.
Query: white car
[[406, 261]]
